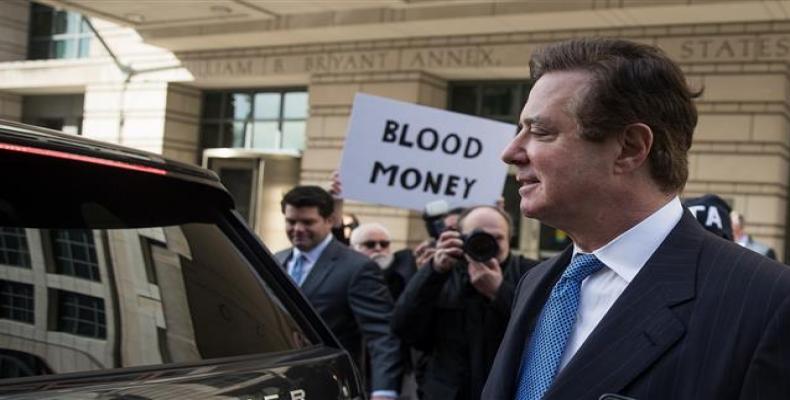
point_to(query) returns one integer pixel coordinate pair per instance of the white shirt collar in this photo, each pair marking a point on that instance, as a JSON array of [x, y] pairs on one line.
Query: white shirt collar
[[629, 252], [313, 254]]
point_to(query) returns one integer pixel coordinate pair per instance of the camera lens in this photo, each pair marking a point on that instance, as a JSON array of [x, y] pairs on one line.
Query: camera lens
[[480, 246]]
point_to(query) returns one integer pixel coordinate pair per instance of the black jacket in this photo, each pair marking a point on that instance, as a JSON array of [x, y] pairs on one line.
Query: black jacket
[[400, 271], [459, 329]]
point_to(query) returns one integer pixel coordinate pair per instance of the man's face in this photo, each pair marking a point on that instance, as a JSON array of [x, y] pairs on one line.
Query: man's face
[[374, 242], [562, 176], [305, 227], [492, 223]]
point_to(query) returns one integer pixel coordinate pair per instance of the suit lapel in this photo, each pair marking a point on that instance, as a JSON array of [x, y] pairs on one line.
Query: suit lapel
[[321, 268], [641, 325]]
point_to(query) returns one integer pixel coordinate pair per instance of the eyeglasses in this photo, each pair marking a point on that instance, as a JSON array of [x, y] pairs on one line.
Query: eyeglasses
[[371, 244]]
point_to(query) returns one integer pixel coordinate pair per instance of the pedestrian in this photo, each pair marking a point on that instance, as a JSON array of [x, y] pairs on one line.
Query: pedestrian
[[746, 240], [345, 287]]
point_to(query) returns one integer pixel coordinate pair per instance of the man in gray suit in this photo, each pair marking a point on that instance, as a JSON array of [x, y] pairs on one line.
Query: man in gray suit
[[345, 287], [646, 303]]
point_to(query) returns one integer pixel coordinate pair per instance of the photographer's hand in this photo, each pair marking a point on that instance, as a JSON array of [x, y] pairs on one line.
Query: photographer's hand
[[449, 249], [485, 277], [424, 252]]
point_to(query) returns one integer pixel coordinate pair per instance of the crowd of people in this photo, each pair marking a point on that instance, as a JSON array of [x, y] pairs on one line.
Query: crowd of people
[[644, 304]]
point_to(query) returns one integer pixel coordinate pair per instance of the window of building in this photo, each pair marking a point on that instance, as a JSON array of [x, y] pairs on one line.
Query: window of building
[[13, 247], [74, 252], [16, 301], [61, 112], [501, 101], [80, 314], [148, 245], [254, 119], [18, 364], [57, 34]]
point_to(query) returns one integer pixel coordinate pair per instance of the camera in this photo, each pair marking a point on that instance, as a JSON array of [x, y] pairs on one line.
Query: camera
[[480, 245]]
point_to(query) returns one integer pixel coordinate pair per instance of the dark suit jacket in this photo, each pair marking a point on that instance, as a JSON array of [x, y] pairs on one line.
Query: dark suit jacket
[[704, 319], [347, 290], [400, 271]]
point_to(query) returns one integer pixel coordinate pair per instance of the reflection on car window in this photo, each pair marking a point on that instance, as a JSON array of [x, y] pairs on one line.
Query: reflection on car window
[[92, 299]]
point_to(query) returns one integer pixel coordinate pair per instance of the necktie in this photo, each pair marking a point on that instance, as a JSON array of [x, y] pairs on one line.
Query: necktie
[[544, 352], [297, 272]]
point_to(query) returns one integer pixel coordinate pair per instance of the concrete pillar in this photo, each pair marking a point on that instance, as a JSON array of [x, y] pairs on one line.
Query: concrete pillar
[[153, 116], [14, 16], [10, 106], [331, 97], [741, 148]]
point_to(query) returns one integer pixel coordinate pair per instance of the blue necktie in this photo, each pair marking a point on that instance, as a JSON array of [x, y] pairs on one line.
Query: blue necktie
[[297, 272], [542, 357]]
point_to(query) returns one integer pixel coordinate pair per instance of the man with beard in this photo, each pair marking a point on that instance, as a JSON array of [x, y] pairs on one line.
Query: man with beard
[[374, 240]]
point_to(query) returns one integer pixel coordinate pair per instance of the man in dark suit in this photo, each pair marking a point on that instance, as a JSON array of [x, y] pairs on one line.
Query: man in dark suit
[[345, 287], [456, 307], [646, 303]]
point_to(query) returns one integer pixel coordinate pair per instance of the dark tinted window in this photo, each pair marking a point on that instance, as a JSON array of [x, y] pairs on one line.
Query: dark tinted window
[[75, 253], [170, 294], [13, 247], [16, 301], [79, 314], [18, 364]]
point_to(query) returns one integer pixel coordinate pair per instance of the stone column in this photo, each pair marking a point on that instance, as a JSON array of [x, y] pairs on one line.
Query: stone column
[[153, 116], [10, 106], [331, 97], [14, 16], [741, 148]]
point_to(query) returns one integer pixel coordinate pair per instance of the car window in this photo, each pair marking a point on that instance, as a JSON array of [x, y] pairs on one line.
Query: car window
[[90, 299]]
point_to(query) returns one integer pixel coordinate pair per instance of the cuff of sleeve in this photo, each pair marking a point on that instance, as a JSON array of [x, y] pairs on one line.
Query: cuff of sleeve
[[385, 393]]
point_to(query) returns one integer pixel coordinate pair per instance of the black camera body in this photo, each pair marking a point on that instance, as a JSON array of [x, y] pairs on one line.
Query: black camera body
[[480, 245]]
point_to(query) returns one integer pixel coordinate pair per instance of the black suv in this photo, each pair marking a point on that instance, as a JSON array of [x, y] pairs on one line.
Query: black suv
[[127, 276]]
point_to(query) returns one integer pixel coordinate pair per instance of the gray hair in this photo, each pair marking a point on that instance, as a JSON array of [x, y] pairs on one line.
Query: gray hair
[[363, 229]]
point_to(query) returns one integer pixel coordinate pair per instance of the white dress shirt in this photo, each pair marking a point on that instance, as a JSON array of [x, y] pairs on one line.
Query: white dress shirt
[[310, 257], [624, 257]]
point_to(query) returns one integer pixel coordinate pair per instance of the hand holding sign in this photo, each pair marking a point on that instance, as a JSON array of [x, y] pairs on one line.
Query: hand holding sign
[[406, 155]]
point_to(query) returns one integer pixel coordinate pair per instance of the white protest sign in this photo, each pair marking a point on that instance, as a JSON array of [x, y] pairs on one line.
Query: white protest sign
[[406, 155]]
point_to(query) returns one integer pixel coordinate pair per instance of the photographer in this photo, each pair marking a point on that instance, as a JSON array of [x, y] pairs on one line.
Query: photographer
[[456, 308]]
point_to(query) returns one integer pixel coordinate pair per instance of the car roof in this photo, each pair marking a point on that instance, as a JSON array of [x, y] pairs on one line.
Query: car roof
[[22, 134], [56, 175]]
